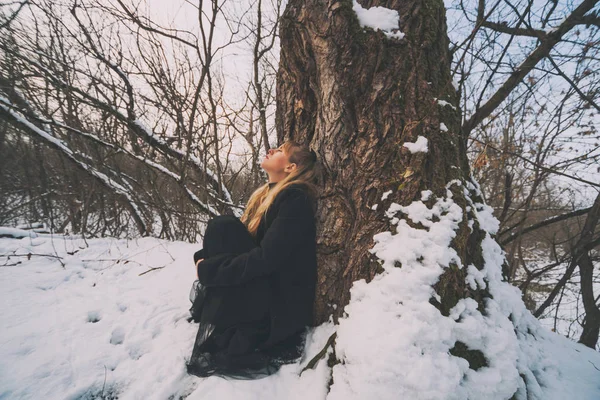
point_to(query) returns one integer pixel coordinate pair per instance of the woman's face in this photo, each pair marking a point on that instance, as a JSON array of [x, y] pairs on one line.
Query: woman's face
[[277, 163]]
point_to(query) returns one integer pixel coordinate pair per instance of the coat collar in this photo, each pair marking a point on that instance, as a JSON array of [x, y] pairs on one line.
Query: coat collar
[[271, 184]]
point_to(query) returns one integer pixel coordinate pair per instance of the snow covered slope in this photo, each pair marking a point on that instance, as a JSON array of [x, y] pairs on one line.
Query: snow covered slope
[[97, 329]]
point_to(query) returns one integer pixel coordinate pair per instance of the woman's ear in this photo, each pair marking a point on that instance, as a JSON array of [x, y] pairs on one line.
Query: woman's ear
[[290, 167]]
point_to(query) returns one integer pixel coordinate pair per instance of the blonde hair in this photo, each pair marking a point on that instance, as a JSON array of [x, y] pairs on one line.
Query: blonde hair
[[304, 174]]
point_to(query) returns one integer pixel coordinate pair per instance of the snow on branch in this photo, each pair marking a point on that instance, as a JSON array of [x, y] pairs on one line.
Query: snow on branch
[[158, 167], [7, 109], [142, 131], [140, 128], [133, 121]]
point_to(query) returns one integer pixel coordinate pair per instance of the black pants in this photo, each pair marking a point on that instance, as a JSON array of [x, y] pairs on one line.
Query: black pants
[[238, 316]]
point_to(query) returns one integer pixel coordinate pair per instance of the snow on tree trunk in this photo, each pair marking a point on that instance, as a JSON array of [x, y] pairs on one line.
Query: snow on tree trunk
[[408, 263]]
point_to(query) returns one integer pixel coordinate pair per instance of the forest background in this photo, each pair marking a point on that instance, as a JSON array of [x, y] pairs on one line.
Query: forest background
[[130, 119]]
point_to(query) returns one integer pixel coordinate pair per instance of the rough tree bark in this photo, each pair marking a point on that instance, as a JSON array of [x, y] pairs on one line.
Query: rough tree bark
[[356, 96]]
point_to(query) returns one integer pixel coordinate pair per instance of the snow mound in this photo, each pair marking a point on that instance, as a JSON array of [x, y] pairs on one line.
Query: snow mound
[[392, 343]]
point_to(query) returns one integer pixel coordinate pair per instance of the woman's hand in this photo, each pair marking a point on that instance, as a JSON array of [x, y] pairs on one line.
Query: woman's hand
[[198, 262]]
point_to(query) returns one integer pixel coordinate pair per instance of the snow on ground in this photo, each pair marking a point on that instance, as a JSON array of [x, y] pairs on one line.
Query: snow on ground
[[108, 319], [96, 326]]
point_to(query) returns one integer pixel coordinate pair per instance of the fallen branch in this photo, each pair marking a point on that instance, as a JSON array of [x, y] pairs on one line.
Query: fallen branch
[[29, 255], [12, 265]]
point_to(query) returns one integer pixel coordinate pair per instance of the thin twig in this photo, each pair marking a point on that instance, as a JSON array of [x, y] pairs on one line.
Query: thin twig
[[29, 255], [104, 384], [150, 270], [549, 170]]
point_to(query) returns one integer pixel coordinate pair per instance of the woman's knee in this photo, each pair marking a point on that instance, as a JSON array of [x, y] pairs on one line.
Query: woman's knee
[[227, 234], [219, 222], [223, 219]]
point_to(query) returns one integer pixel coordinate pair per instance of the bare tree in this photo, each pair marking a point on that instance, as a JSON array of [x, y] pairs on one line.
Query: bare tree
[[102, 73], [542, 130]]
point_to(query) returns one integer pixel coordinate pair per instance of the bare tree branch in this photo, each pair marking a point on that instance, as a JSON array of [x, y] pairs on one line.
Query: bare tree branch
[[542, 51]]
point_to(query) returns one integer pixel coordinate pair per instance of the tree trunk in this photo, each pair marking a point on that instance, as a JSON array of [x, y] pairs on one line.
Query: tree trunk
[[357, 96], [591, 326]]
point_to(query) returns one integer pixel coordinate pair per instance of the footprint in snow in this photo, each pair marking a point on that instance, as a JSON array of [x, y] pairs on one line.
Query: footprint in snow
[[117, 336], [136, 351], [94, 316]]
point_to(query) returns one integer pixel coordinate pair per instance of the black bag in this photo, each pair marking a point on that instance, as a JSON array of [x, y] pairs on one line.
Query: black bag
[[197, 296]]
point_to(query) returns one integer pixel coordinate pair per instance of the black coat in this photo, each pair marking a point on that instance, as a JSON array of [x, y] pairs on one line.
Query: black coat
[[285, 258]]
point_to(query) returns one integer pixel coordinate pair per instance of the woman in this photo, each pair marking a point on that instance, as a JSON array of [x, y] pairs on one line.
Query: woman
[[258, 274]]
